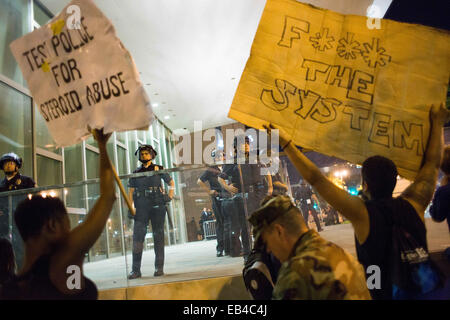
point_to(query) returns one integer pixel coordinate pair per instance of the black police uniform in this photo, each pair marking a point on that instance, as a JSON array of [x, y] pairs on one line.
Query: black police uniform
[[211, 175], [253, 191], [18, 182], [304, 195], [150, 202]]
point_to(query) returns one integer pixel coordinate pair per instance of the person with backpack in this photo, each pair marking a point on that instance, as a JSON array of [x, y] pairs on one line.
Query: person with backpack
[[390, 234]]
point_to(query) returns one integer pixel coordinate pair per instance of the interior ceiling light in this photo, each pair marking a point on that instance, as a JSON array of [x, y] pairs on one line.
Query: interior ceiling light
[[167, 117]]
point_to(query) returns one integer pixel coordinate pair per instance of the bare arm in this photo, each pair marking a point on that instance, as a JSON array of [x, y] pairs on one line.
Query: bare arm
[[171, 188], [230, 188], [351, 207], [420, 192], [269, 184], [281, 185], [130, 194], [81, 238]]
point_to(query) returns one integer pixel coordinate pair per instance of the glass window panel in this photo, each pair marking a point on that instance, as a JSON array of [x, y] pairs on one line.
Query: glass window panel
[[14, 23], [141, 135], [114, 232], [154, 129], [121, 160], [49, 171], [92, 163], [121, 136], [72, 163], [15, 125], [132, 146], [75, 197], [44, 139], [40, 16]]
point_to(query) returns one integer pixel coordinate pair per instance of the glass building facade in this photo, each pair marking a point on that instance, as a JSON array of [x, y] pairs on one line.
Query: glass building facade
[[24, 132]]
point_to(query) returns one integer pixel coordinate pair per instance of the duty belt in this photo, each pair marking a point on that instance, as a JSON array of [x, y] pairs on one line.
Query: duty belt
[[151, 191]]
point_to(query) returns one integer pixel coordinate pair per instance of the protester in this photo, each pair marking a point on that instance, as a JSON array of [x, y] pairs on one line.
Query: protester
[[372, 220], [312, 268], [150, 202], [7, 262], [440, 207], [54, 254]]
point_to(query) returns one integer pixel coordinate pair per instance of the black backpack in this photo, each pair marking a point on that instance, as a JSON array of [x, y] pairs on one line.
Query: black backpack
[[413, 273]]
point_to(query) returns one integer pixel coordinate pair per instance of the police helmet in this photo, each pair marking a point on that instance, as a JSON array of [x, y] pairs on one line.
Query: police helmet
[[147, 147], [10, 157]]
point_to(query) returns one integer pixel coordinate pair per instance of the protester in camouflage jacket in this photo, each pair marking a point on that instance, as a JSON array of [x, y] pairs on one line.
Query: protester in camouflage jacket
[[313, 268]]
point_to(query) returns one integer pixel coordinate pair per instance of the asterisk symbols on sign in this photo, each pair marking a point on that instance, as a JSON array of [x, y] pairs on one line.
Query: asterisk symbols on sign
[[322, 41], [375, 55], [348, 48]]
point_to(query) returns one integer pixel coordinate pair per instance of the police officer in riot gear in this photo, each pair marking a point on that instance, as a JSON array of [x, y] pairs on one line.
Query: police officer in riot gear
[[246, 185], [10, 163], [217, 194], [149, 200]]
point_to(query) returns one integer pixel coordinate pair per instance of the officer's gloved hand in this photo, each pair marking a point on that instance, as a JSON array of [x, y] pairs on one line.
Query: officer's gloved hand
[[167, 198]]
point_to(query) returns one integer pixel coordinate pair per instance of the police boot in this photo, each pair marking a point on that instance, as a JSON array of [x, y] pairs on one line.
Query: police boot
[[134, 275], [158, 272], [135, 269]]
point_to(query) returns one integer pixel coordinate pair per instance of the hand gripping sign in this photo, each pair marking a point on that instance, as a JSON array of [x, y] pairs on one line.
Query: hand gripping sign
[[341, 88], [81, 76]]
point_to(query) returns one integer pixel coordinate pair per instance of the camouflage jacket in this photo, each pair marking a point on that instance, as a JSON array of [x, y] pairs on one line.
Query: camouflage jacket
[[318, 270]]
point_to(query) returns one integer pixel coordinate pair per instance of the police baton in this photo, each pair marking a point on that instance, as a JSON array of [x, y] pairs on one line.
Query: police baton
[[122, 190]]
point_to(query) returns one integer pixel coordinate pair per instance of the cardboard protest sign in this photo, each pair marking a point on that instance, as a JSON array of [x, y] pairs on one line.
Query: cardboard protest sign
[[81, 76], [341, 88]]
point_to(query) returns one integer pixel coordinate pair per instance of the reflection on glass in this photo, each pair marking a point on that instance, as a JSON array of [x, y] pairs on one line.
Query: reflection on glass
[[49, 171], [121, 160], [40, 16], [121, 136], [15, 123], [43, 138], [14, 23]]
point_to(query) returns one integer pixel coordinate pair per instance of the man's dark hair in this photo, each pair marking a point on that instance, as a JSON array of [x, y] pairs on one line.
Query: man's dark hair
[[31, 214], [445, 165], [380, 174]]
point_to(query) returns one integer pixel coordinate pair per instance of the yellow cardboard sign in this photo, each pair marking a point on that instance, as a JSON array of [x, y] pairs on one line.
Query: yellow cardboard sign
[[341, 88]]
